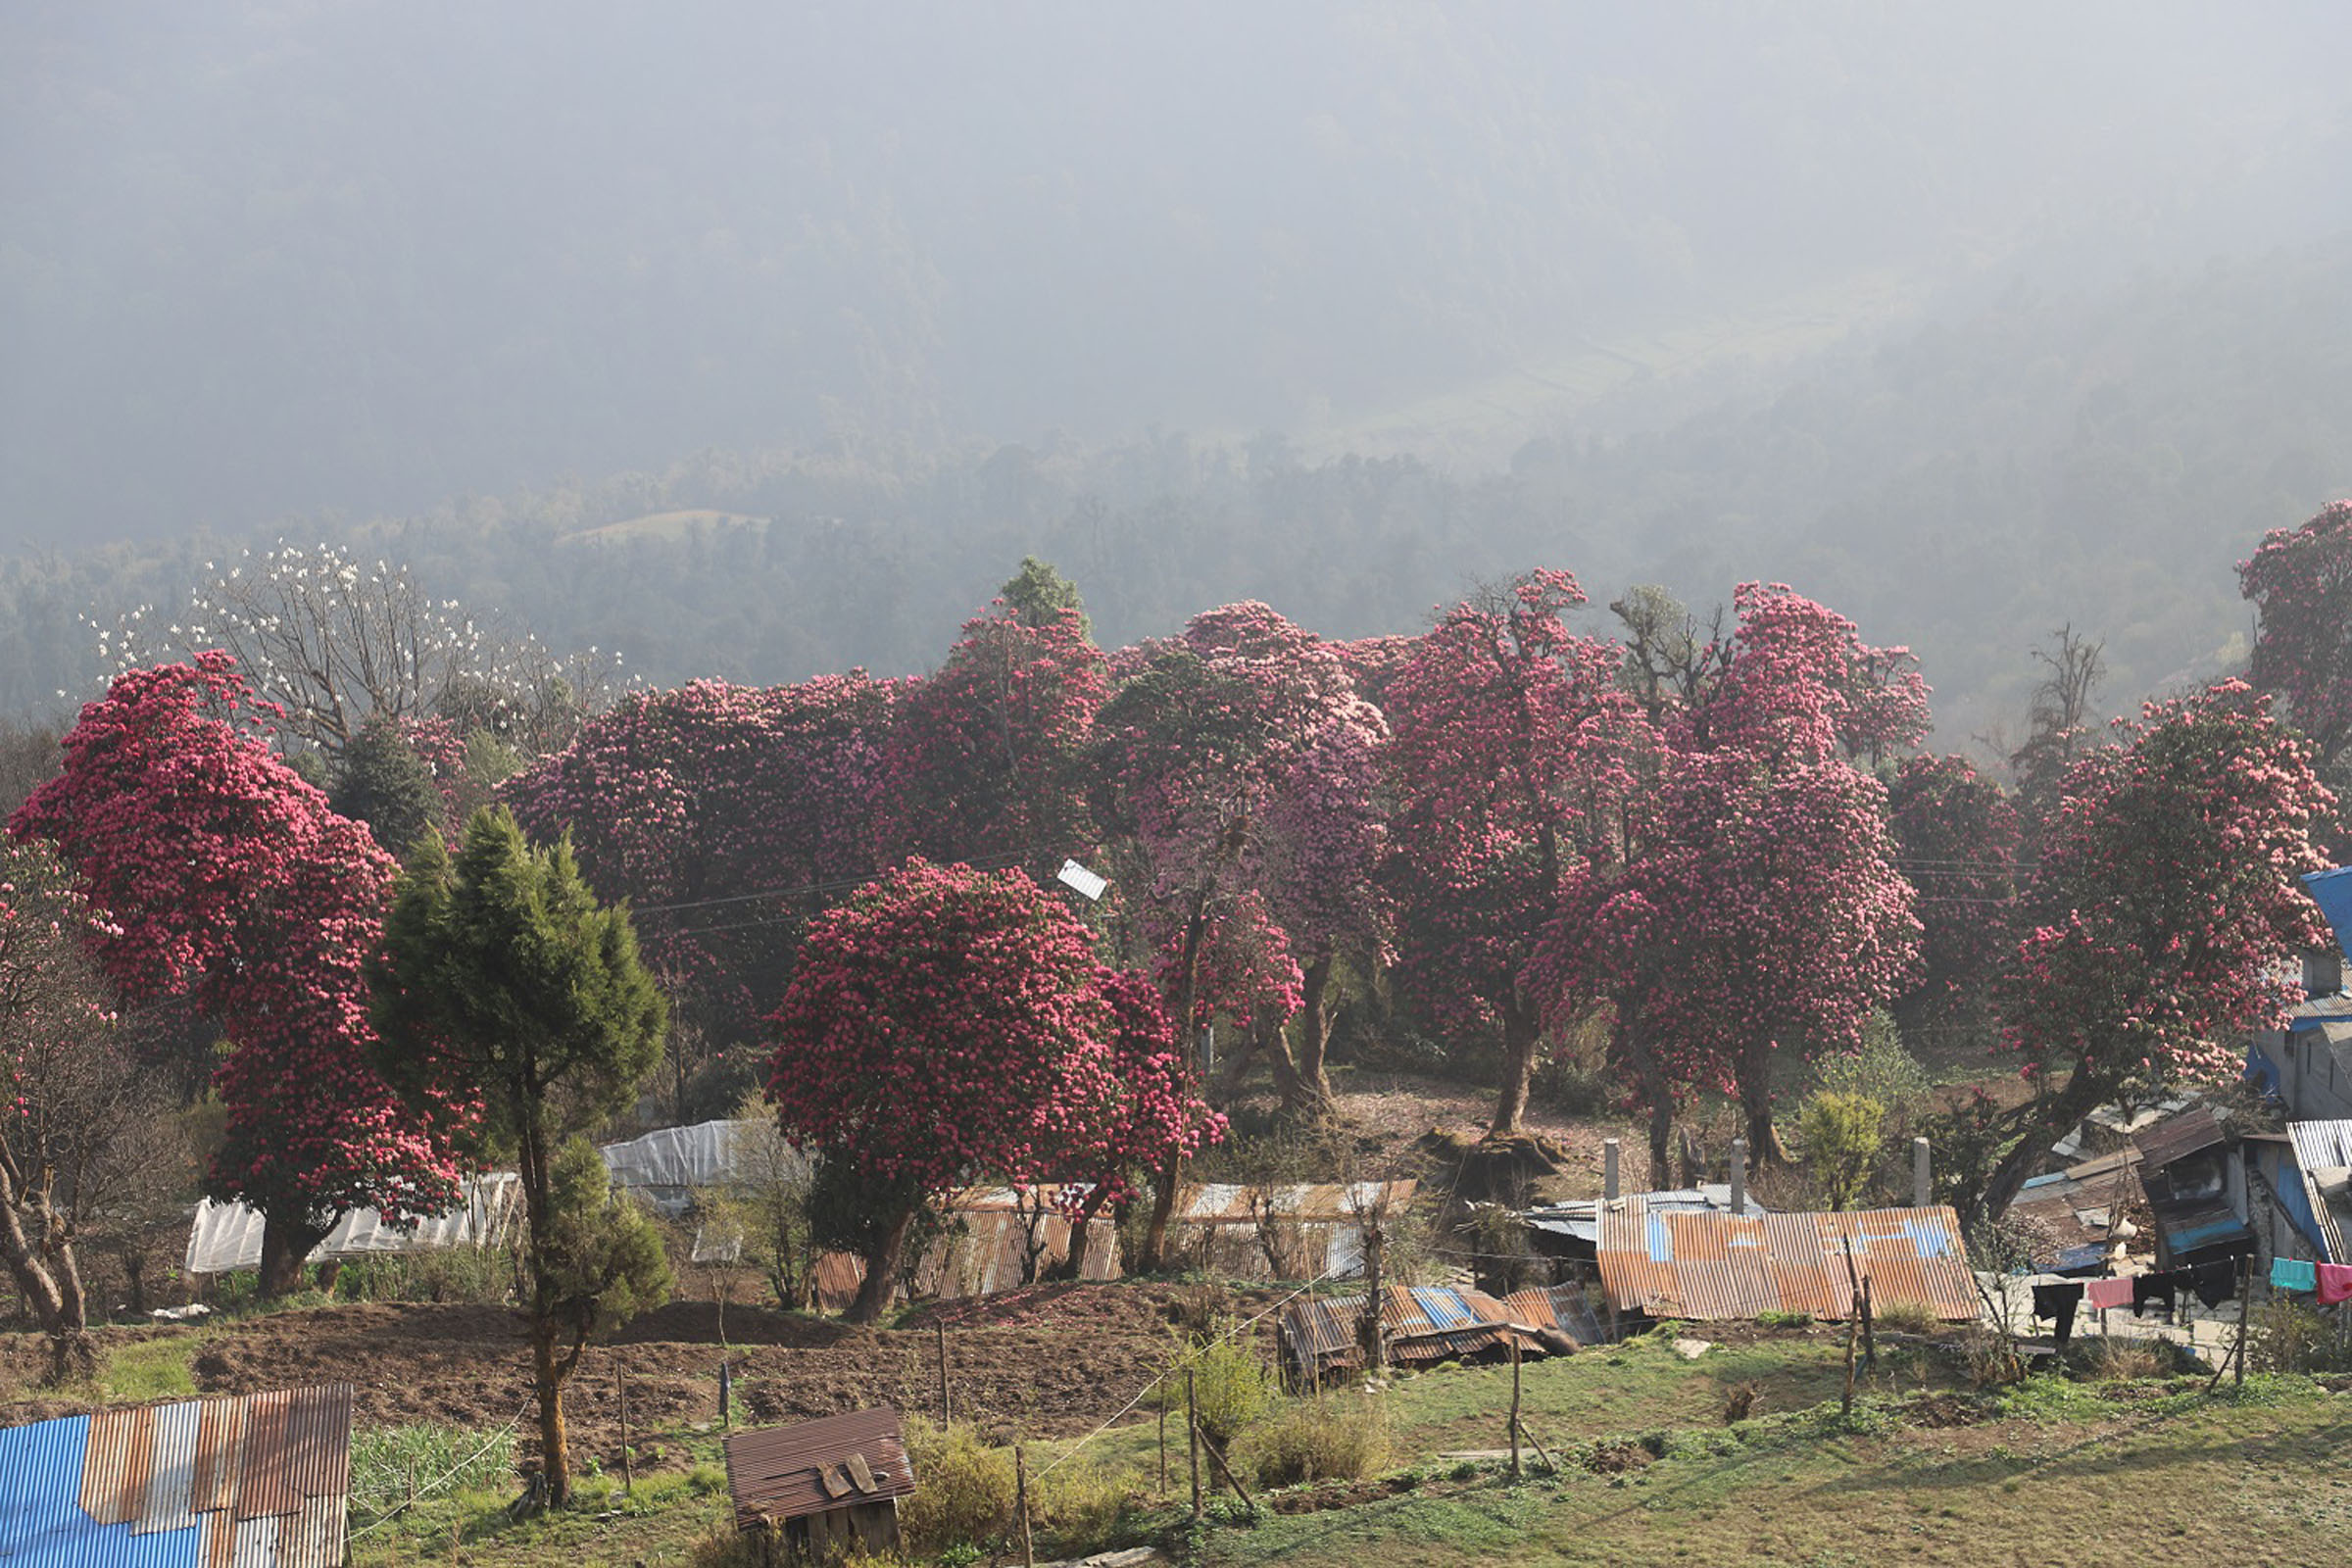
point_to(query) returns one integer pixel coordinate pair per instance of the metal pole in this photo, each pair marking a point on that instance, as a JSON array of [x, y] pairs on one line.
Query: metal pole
[[1608, 1169], [1923, 1189], [726, 1390], [1738, 1175]]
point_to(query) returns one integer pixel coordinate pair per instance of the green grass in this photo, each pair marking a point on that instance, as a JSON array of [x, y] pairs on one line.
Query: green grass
[[2077, 1477], [149, 1369], [658, 1521]]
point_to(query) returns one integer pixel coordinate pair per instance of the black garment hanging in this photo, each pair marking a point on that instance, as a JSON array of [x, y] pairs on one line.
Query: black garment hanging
[[2214, 1282], [2147, 1288], [2058, 1304]]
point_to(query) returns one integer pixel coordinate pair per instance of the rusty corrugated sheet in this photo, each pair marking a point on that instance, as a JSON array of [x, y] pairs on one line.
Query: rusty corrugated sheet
[[2177, 1138], [269, 1479], [779, 1472], [1418, 1324], [220, 1441], [114, 1468], [1714, 1265], [1564, 1307], [260, 1481]]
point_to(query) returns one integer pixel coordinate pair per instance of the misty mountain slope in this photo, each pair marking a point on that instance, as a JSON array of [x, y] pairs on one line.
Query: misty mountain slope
[[2041, 459], [358, 255]]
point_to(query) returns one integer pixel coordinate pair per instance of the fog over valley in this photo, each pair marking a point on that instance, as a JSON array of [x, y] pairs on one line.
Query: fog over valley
[[1969, 321]]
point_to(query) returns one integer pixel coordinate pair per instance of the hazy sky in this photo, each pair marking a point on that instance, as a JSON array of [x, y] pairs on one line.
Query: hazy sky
[[270, 259]]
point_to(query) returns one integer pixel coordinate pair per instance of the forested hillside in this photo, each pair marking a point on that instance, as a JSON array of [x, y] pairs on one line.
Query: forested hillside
[[2032, 461]]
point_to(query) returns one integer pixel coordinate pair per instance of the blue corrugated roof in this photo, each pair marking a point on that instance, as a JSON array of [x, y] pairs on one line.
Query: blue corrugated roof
[[43, 1523], [2331, 891], [1446, 1308]]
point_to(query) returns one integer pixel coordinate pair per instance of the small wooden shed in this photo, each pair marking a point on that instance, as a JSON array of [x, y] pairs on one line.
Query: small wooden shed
[[823, 1487]]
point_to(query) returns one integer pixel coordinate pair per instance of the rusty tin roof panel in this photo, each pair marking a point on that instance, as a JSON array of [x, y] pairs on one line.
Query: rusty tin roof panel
[[166, 1486], [2175, 1138], [780, 1472], [1564, 1307], [1721, 1265]]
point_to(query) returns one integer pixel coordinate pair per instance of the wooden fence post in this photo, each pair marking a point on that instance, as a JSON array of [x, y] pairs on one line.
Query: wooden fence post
[[1514, 1407], [1020, 1493], [945, 1415], [1192, 1426], [621, 1381]]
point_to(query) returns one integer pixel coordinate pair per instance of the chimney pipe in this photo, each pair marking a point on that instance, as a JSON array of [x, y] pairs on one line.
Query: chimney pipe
[[1922, 1191], [1738, 1175], [1608, 1169]]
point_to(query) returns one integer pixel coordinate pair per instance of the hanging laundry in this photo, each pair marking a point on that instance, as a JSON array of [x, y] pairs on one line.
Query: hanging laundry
[[2335, 1282], [2104, 1293], [2293, 1274], [2149, 1289], [2058, 1303], [2214, 1282]]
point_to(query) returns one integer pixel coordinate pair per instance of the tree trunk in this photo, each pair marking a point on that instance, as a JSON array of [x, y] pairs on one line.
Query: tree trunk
[[1764, 1146], [1163, 1205], [881, 1280], [554, 1448], [1071, 1266], [288, 1233], [1519, 1037], [2084, 1093], [1314, 1038]]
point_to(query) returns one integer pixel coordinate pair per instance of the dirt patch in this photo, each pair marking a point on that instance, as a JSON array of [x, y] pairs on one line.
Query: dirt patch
[[1337, 1494], [1944, 1410], [1616, 1459], [1051, 1362]]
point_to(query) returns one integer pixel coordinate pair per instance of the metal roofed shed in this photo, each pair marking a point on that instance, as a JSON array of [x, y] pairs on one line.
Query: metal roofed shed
[[1573, 1229], [2185, 1171], [261, 1479], [1421, 1325], [1713, 1265], [828, 1485]]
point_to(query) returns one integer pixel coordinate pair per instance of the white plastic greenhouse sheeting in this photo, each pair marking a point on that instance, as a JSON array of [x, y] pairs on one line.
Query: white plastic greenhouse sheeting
[[229, 1236]]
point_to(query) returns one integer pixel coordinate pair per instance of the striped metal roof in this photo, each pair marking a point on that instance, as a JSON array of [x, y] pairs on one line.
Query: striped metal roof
[[1713, 1265], [261, 1481]]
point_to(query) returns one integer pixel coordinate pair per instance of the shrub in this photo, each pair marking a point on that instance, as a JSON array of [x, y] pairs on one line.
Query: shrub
[[1784, 1320], [1342, 1439], [1232, 1386], [1905, 1317], [1842, 1135], [965, 1493], [2286, 1336], [423, 1459], [1077, 1506], [2122, 1361]]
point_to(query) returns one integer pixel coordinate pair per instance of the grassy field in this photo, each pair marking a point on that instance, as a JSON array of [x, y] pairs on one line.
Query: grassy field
[[1927, 1470]]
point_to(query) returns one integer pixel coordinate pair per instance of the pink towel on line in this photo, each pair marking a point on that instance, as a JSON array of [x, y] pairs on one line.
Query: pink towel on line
[[2335, 1282], [2102, 1293]]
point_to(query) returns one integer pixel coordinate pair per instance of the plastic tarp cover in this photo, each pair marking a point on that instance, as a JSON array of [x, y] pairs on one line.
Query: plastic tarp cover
[[229, 1236]]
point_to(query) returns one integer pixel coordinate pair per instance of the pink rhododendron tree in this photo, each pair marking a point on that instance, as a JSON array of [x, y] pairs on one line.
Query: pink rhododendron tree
[[2300, 582], [730, 817], [1957, 838], [988, 760], [224, 874], [1515, 758], [946, 1025], [2165, 910]]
